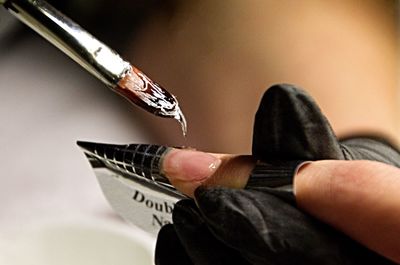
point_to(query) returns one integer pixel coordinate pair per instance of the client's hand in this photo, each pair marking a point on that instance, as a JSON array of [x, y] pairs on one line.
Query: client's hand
[[188, 169], [238, 217], [359, 198]]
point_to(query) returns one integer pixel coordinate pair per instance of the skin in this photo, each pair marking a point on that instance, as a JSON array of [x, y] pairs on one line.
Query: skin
[[188, 169], [359, 198]]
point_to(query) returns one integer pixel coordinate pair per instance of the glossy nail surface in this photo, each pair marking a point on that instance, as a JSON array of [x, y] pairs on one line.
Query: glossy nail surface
[[189, 165]]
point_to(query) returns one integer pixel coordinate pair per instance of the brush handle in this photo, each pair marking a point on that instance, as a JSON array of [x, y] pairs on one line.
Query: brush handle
[[69, 37]]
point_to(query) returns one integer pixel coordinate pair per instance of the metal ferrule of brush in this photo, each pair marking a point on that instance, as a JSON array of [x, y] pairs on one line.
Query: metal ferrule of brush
[[135, 161], [93, 55]]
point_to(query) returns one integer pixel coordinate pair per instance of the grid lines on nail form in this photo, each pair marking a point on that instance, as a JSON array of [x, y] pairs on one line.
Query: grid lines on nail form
[[141, 163], [134, 161]]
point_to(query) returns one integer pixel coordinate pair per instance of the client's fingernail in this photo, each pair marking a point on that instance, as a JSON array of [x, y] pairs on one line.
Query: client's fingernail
[[189, 164]]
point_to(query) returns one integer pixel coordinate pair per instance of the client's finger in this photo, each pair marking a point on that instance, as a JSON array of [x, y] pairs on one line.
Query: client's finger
[[187, 169], [360, 198]]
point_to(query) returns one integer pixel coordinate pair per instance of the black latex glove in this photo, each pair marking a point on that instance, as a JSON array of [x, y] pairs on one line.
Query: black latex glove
[[255, 225]]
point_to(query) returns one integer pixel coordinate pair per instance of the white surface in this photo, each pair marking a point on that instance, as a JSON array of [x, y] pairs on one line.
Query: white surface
[[47, 102], [77, 243]]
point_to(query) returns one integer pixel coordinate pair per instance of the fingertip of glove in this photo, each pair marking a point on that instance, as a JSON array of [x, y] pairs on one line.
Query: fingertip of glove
[[202, 194], [166, 234], [209, 197], [199, 192], [185, 203], [281, 91], [283, 88], [185, 213], [284, 111]]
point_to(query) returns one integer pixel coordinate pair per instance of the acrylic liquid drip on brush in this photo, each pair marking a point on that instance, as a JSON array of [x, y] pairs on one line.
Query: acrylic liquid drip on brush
[[142, 91]]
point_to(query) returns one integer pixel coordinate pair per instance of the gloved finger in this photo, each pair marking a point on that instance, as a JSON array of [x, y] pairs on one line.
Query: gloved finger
[[359, 198], [169, 249], [370, 148], [290, 126], [263, 228], [198, 242], [266, 230]]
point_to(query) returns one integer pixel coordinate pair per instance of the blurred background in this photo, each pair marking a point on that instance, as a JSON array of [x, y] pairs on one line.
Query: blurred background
[[217, 57]]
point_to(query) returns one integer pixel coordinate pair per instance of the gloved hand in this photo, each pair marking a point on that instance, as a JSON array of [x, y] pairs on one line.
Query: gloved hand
[[262, 225]]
